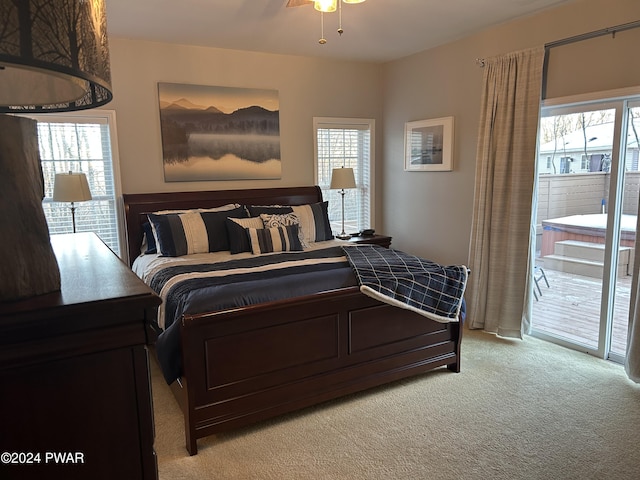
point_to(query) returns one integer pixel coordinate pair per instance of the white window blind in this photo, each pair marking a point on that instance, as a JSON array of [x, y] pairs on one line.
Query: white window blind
[[346, 143], [80, 144]]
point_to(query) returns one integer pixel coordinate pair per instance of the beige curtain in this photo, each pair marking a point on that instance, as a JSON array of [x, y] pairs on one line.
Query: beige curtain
[[500, 253]]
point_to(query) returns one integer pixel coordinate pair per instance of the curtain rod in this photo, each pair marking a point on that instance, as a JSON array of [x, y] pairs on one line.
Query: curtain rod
[[579, 38], [596, 33], [583, 36]]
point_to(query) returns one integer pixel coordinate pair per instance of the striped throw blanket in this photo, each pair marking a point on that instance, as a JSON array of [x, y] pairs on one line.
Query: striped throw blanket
[[406, 281]]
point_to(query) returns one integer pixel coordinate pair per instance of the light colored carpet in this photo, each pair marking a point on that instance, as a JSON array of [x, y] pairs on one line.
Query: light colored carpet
[[517, 410]]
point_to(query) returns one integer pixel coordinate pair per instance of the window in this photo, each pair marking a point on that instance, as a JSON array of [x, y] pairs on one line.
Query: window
[[81, 142], [346, 142], [584, 163]]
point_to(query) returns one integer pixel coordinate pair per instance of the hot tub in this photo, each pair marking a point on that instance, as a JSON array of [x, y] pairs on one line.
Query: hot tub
[[584, 228]]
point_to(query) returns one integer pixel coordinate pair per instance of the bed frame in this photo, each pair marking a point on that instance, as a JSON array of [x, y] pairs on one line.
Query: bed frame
[[250, 364]]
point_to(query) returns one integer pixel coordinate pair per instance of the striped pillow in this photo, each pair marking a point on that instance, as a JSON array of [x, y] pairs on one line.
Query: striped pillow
[[277, 239], [191, 232], [314, 221], [149, 240]]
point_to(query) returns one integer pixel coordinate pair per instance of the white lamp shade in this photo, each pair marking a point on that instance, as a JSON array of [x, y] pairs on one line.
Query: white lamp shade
[[326, 6], [352, 1], [71, 187], [342, 178]]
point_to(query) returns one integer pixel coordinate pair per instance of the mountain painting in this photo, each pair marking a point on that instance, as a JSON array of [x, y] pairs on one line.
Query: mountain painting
[[219, 133]]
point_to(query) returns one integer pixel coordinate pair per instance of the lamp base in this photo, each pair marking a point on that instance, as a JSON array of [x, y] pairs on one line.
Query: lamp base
[[343, 236], [28, 266]]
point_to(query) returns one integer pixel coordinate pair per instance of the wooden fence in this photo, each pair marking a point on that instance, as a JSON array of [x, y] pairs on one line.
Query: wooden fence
[[567, 194], [582, 193]]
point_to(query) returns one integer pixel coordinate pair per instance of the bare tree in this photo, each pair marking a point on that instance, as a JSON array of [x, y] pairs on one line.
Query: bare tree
[[588, 119], [555, 129]]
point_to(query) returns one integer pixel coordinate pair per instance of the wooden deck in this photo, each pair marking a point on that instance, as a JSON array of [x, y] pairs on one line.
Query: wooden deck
[[570, 308]]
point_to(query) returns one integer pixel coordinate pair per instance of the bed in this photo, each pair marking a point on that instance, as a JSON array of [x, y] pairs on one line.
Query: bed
[[244, 364]]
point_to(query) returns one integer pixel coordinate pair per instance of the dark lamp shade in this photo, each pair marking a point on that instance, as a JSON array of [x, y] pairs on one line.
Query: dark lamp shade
[[71, 187], [342, 178], [54, 56]]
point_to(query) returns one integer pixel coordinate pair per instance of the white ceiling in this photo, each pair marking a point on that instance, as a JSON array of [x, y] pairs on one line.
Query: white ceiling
[[376, 31]]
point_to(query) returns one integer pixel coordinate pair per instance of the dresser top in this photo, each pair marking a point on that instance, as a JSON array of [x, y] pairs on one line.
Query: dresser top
[[90, 271], [91, 274]]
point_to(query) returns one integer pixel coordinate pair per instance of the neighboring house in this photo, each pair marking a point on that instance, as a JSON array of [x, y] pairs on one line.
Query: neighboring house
[[568, 153]]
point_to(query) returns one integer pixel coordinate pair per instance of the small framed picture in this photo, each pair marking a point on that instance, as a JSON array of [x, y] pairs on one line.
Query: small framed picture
[[428, 145]]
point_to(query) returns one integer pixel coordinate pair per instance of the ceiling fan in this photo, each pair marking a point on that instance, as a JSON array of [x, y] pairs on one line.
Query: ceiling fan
[[323, 6], [298, 3]]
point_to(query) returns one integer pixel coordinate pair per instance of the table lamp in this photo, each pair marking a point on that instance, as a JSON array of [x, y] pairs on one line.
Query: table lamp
[[71, 187], [342, 178]]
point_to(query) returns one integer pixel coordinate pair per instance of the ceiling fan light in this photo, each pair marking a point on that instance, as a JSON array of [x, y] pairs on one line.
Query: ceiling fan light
[[353, 1], [326, 6]]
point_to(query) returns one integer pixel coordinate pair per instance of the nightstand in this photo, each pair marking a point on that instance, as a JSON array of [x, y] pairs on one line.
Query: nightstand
[[382, 240]]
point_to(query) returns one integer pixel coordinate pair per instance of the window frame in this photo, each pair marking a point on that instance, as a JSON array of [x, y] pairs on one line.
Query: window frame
[[338, 123], [108, 118]]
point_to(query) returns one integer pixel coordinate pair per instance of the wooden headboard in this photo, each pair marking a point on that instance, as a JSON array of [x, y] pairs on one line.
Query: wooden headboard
[[137, 205]]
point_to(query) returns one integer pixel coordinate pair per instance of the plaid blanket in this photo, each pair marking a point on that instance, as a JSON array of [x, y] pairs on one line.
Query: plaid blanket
[[409, 282]]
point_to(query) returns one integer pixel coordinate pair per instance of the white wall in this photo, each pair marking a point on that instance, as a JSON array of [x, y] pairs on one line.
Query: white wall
[[429, 213], [307, 87]]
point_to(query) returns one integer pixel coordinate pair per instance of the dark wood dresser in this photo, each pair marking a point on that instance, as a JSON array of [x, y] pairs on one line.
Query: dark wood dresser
[[75, 394]]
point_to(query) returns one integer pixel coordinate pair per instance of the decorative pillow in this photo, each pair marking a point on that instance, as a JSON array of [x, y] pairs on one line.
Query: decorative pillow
[[271, 220], [148, 240], [237, 231], [277, 239], [257, 210], [314, 218], [222, 208], [191, 232], [314, 221]]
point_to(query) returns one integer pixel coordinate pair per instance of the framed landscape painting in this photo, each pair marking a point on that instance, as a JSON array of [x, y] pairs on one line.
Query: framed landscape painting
[[428, 145], [219, 133]]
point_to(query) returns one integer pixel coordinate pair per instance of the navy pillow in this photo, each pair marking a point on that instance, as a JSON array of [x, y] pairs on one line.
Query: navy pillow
[[256, 210], [216, 225], [149, 239], [237, 231]]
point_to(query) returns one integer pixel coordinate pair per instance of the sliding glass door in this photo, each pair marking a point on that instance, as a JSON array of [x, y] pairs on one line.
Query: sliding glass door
[[630, 199], [587, 204]]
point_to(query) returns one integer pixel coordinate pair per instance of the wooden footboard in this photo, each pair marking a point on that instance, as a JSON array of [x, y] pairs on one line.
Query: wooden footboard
[[249, 364], [254, 363]]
